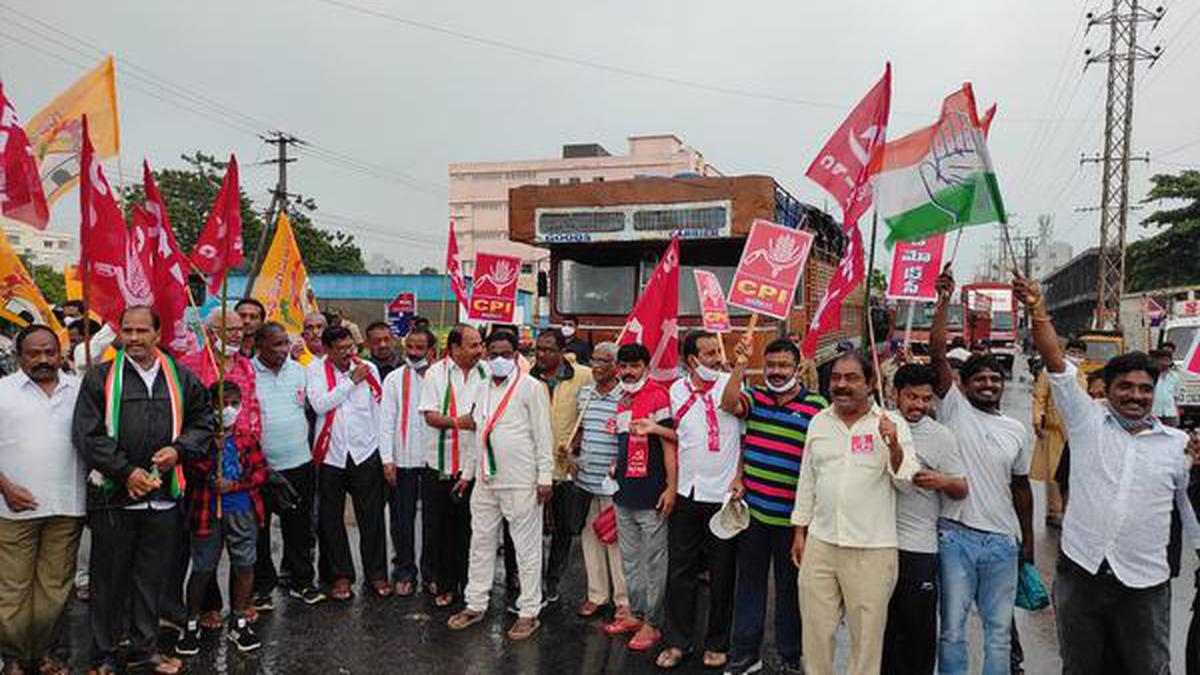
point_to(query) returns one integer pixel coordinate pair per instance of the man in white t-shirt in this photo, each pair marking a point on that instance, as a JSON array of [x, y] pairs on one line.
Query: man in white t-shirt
[[979, 551]]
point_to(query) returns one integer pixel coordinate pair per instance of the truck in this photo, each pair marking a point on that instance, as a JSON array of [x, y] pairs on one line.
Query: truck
[[922, 323], [1182, 328], [990, 309], [606, 237]]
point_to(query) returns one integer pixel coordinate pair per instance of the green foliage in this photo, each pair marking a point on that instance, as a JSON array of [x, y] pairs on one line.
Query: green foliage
[[189, 193], [50, 281], [1169, 257], [429, 270]]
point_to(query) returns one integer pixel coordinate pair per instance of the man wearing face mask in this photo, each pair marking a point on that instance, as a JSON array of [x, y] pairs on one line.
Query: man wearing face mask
[[401, 432], [580, 348], [1127, 471], [979, 551], [1051, 435], [777, 418], [513, 470], [709, 448]]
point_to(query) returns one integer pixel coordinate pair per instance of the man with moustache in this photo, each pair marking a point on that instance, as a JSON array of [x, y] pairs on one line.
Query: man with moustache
[[253, 314]]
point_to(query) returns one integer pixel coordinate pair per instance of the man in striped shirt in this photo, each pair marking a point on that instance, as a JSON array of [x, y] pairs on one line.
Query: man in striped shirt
[[777, 418]]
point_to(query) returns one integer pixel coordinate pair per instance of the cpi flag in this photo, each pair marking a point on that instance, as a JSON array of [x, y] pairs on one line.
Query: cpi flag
[[772, 262], [219, 246], [494, 296], [454, 268], [850, 273], [168, 269], [282, 284], [712, 302], [20, 300], [844, 165], [56, 132], [915, 267], [103, 249], [21, 194], [654, 320]]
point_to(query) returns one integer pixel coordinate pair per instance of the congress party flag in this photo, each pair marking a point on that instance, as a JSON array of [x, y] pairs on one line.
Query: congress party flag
[[494, 293], [56, 132], [713, 309], [654, 321], [282, 284], [21, 194], [219, 246], [770, 269], [915, 267]]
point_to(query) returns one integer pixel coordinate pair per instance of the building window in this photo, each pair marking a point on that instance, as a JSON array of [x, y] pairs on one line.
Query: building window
[[574, 180], [598, 179], [47, 244], [13, 239], [555, 181]]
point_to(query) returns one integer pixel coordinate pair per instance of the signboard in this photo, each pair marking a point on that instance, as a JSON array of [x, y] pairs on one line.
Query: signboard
[[494, 296], [770, 269], [400, 311], [1187, 308], [1191, 363], [915, 267], [712, 302], [633, 222]]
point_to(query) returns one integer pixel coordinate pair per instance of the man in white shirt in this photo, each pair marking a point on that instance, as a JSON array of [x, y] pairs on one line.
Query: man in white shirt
[[401, 431], [978, 551], [1128, 470], [709, 446], [345, 393], [41, 514], [447, 398], [845, 517], [513, 471]]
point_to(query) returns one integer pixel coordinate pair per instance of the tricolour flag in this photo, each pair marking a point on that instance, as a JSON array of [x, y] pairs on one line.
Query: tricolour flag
[[454, 268], [21, 194], [939, 178], [56, 132], [219, 246], [103, 249], [654, 320], [282, 284]]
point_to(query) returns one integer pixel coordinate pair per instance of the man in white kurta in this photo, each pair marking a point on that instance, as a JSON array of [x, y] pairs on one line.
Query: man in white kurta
[[513, 471]]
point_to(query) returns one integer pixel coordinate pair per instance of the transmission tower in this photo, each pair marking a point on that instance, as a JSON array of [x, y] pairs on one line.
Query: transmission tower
[[279, 198], [1122, 56]]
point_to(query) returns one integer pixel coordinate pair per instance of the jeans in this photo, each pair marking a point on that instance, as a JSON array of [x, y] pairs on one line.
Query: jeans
[[642, 536], [1096, 611], [910, 642], [402, 521], [759, 548], [693, 547], [981, 568], [299, 536]]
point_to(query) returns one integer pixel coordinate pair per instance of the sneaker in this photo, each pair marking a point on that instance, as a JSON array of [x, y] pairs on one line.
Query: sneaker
[[242, 635], [747, 668], [309, 595], [263, 602], [189, 639]]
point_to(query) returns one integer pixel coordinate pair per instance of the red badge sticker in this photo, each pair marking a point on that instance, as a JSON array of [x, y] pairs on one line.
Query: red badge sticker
[[862, 445]]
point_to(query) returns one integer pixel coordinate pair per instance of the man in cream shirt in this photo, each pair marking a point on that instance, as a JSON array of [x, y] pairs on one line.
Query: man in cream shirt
[[845, 517], [513, 468]]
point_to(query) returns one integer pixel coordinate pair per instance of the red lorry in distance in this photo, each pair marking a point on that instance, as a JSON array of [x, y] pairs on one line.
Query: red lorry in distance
[[990, 310]]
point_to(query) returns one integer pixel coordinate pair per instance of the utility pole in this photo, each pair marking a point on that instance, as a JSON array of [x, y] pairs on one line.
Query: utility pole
[[279, 199], [1122, 56]]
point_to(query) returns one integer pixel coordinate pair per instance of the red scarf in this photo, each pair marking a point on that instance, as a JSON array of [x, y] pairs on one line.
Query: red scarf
[[650, 402], [710, 413], [321, 447]]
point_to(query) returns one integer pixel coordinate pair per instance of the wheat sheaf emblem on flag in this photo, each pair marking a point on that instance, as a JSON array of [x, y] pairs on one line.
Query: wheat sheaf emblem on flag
[[501, 275], [782, 252]]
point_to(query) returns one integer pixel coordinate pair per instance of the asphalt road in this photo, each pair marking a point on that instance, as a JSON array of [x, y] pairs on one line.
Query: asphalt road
[[371, 635]]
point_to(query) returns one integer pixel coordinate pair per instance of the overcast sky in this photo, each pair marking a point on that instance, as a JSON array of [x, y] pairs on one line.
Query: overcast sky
[[407, 100]]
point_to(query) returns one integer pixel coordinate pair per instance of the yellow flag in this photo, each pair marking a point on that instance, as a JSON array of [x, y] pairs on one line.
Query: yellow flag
[[72, 281], [20, 300], [282, 283], [56, 132]]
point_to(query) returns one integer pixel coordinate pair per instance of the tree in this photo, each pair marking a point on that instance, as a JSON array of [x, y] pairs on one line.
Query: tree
[[50, 281], [189, 193], [1169, 257], [429, 270]]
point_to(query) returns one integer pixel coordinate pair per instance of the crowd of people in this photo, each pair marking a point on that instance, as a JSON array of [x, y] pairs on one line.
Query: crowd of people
[[687, 497]]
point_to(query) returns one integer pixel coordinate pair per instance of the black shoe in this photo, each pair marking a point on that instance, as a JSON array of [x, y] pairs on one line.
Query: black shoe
[[309, 595], [242, 635], [189, 639], [263, 602]]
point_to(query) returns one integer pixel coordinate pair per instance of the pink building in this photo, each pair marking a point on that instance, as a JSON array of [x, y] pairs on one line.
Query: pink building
[[479, 190]]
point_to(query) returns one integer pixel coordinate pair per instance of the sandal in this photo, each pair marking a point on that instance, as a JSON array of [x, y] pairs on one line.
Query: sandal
[[645, 639], [382, 589], [341, 590], [715, 659], [50, 666], [444, 600], [621, 626], [464, 619], [405, 589], [670, 658]]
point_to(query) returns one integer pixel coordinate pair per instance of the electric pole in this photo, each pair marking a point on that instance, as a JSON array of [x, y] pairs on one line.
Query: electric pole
[[1122, 56], [279, 199]]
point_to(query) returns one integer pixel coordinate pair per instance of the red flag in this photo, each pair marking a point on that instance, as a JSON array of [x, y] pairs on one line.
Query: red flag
[[102, 238], [21, 195], [654, 320], [849, 275], [168, 269], [454, 268], [844, 165], [494, 295], [219, 246]]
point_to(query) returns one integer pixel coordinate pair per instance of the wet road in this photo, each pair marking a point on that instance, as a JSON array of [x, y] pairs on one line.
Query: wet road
[[371, 635]]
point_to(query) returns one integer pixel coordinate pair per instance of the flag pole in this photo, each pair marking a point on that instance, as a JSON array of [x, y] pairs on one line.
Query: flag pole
[[87, 318], [870, 273], [220, 361]]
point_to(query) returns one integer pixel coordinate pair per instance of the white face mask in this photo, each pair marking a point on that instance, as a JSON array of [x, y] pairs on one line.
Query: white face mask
[[419, 364], [1074, 360], [633, 387], [230, 414], [226, 349], [707, 374], [781, 388], [501, 367], [568, 331]]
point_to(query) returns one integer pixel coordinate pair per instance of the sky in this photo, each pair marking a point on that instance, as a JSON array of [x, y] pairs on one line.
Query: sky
[[387, 94]]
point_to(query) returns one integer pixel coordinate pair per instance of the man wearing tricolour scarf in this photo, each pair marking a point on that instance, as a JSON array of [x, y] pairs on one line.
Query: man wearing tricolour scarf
[[136, 419], [512, 470], [345, 393]]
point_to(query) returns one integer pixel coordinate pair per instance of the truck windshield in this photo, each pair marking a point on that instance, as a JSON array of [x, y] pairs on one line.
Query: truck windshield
[[1002, 321], [1182, 337], [594, 289], [689, 304], [1102, 351], [923, 316]]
